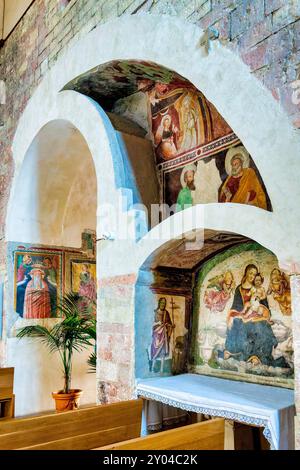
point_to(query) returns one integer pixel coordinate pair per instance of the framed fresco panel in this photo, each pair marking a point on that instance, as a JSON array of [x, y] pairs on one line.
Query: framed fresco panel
[[37, 283], [242, 318], [167, 351]]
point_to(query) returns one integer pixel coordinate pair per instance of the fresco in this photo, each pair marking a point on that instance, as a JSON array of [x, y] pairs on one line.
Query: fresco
[[38, 283], [182, 120], [83, 282], [229, 176], [167, 351], [109, 82], [189, 136], [242, 318]]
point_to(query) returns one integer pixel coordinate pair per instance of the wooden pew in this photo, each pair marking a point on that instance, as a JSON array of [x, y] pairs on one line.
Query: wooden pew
[[7, 398], [81, 429], [207, 435]]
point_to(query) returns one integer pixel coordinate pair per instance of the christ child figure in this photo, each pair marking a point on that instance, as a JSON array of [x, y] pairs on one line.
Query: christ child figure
[[259, 289]]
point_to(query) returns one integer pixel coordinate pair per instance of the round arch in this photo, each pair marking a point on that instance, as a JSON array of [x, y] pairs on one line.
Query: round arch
[[250, 110]]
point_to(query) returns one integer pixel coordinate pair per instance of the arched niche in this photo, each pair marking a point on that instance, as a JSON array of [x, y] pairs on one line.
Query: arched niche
[[55, 202], [199, 159]]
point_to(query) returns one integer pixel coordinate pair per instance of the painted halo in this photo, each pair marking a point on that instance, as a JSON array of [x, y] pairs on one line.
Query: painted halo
[[242, 152], [190, 167]]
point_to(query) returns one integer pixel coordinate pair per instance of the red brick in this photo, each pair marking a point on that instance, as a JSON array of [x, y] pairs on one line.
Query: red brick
[[256, 57], [280, 45], [247, 14], [223, 27], [257, 33]]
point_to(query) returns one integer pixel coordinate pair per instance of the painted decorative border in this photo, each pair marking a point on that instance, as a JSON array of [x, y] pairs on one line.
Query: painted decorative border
[[200, 152]]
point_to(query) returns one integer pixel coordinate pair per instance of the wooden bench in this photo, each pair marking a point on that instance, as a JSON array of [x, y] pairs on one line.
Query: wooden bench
[[206, 435], [81, 429], [7, 398]]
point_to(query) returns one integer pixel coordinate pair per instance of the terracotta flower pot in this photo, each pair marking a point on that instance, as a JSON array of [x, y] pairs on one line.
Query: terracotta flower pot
[[67, 401]]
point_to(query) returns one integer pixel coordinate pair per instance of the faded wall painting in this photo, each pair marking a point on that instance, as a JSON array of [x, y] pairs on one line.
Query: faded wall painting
[[37, 283], [167, 351], [83, 282], [242, 318], [228, 176]]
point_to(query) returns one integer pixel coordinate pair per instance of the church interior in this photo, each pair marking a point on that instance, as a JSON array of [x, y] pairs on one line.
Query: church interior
[[150, 253]]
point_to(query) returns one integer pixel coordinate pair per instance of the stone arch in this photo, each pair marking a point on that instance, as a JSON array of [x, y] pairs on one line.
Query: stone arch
[[227, 82], [175, 275], [220, 75]]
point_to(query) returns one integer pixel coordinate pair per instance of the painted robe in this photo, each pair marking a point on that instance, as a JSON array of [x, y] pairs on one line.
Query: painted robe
[[248, 340], [246, 187], [87, 287], [184, 199], [161, 333]]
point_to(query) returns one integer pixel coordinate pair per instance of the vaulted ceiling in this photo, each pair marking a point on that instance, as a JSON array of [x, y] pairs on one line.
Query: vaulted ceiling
[[175, 255]]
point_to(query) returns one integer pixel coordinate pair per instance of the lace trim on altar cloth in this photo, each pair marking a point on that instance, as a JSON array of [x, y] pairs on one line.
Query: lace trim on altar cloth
[[166, 423], [213, 412]]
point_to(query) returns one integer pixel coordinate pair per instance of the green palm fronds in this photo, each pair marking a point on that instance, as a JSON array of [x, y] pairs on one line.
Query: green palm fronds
[[92, 362]]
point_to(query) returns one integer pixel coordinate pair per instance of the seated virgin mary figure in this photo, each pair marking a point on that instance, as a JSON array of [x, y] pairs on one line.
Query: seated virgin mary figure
[[249, 336]]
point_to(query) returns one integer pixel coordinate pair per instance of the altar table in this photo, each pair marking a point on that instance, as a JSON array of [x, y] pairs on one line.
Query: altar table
[[269, 407]]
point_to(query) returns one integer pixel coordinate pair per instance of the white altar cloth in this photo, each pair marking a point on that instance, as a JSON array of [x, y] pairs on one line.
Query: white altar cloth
[[261, 405]]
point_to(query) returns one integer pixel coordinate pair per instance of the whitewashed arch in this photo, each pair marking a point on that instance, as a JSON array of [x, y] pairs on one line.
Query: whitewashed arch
[[225, 80]]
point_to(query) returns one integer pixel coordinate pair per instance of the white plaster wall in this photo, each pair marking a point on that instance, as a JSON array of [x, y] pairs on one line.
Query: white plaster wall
[[56, 192], [37, 374], [55, 201]]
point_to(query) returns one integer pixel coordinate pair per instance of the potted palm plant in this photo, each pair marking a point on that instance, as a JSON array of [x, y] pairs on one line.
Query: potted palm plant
[[75, 332]]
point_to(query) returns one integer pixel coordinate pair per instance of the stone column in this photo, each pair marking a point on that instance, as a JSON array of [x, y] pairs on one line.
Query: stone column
[[295, 292]]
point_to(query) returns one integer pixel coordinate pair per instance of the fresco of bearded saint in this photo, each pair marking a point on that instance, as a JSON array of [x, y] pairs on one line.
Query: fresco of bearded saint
[[242, 184]]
